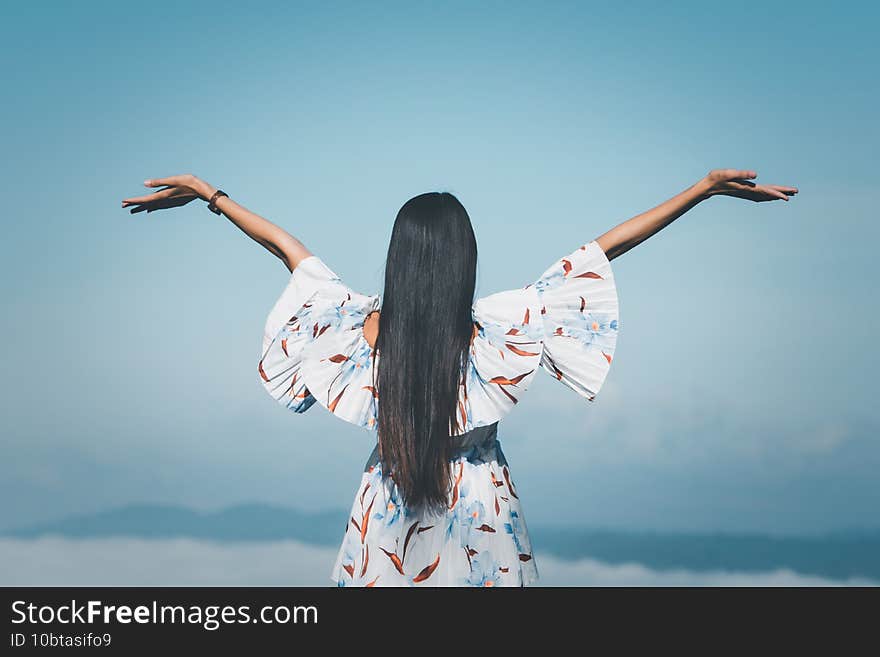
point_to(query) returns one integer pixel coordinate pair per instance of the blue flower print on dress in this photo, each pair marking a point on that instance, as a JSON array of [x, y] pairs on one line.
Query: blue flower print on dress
[[485, 571], [475, 523], [550, 280], [514, 528], [592, 330], [393, 508]]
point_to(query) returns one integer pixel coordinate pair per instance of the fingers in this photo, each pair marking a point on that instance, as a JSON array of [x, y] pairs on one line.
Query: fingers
[[160, 194], [781, 191], [154, 204], [739, 178], [791, 191], [171, 180], [171, 184], [772, 193]]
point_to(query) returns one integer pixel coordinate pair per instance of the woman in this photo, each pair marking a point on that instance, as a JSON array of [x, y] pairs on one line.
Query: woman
[[436, 504]]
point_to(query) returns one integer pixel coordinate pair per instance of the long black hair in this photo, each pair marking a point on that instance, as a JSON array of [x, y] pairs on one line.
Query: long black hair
[[425, 329]]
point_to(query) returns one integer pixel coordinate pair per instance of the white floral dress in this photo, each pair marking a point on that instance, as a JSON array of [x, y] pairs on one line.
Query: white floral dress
[[314, 350]]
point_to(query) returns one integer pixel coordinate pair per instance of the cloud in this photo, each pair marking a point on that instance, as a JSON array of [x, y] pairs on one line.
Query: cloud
[[57, 561], [589, 572]]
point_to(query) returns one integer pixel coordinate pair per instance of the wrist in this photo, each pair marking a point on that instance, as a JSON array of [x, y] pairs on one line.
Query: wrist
[[215, 199], [204, 190], [702, 189]]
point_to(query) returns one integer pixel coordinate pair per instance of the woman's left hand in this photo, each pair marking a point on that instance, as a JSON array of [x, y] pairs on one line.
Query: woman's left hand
[[735, 182], [176, 191]]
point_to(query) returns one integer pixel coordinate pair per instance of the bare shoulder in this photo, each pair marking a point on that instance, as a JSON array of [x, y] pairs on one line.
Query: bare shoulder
[[371, 329]]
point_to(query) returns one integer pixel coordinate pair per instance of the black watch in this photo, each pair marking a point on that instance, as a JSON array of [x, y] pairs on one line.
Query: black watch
[[211, 204]]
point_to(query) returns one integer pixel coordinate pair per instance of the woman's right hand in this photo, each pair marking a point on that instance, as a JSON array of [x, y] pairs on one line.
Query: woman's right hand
[[735, 182], [176, 191]]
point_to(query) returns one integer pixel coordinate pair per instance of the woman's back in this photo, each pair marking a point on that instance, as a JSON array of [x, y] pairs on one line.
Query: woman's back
[[319, 346]]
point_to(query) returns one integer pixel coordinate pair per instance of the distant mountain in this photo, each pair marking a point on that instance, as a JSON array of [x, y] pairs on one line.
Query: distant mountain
[[837, 555]]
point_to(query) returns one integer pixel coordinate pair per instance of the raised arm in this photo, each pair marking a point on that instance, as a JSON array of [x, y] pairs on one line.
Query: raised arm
[[718, 182], [180, 190]]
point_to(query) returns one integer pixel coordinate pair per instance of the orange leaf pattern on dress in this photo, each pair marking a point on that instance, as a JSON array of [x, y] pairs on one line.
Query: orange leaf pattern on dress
[[553, 369], [366, 560], [509, 395], [395, 560], [509, 482], [504, 381], [408, 536], [522, 352], [332, 405], [366, 520], [427, 571]]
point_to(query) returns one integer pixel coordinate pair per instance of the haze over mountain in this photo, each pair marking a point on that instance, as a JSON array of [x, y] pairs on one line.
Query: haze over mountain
[[841, 554]]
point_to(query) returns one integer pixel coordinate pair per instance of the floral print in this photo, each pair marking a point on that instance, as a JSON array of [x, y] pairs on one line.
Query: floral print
[[314, 350], [479, 540], [485, 571]]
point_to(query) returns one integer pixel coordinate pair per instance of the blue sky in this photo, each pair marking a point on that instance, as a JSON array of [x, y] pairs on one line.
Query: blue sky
[[742, 392]]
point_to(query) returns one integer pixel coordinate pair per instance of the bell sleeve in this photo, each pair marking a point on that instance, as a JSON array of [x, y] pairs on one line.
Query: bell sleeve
[[579, 309], [288, 330]]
